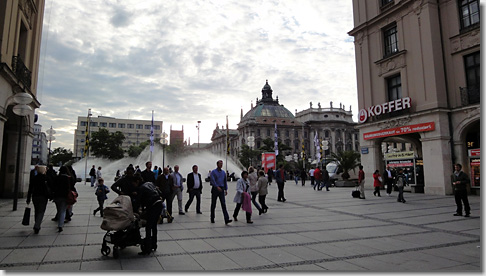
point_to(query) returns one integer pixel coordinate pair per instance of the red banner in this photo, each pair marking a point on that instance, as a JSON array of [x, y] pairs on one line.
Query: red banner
[[399, 131]]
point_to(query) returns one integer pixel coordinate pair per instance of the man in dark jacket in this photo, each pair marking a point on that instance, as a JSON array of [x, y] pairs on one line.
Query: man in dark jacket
[[194, 188], [148, 174], [123, 186], [164, 183], [325, 179], [459, 182], [149, 199], [92, 174], [280, 176], [388, 178]]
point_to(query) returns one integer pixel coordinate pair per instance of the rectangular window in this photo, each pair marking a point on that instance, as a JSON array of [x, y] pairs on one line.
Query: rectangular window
[[268, 132], [258, 132], [93, 124], [296, 134], [472, 66], [156, 127], [394, 87], [390, 36], [147, 126], [130, 126], [83, 123], [287, 133], [385, 2], [139, 126], [103, 124], [121, 125], [469, 10], [113, 125]]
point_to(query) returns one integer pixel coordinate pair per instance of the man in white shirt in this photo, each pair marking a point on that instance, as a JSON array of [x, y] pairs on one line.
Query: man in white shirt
[[194, 189], [177, 188], [311, 174]]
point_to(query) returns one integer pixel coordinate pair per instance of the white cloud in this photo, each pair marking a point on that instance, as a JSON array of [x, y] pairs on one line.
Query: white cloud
[[191, 60]]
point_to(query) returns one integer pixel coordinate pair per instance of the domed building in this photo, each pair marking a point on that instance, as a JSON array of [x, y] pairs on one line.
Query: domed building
[[333, 124], [260, 122]]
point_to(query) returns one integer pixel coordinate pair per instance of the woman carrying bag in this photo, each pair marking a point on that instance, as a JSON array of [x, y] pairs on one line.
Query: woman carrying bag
[[39, 192]]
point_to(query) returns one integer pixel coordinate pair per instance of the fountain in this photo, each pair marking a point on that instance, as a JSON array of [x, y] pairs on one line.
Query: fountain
[[205, 160]]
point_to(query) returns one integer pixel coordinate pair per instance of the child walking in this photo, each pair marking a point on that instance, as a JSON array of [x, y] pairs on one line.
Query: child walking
[[101, 191]]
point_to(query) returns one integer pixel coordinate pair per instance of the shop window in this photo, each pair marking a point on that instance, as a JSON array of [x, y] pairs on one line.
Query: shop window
[[469, 13], [394, 87], [390, 37]]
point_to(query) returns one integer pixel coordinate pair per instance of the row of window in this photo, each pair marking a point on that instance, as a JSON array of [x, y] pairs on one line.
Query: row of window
[[327, 134], [469, 17], [120, 125]]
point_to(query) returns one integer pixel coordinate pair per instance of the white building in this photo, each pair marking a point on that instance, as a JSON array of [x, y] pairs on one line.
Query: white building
[[135, 131], [39, 146]]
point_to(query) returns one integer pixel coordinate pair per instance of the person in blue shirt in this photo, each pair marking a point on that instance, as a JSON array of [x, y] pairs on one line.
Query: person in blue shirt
[[219, 189]]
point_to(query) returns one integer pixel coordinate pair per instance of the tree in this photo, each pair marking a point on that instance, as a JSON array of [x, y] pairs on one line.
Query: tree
[[107, 145], [60, 155], [134, 151], [247, 154], [346, 160]]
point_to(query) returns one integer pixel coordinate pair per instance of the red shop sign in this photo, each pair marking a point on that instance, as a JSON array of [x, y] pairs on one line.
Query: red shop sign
[[399, 131]]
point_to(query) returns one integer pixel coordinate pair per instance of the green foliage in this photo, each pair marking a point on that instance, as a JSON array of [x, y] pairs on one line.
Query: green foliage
[[346, 160], [107, 145], [60, 155], [247, 156], [134, 151]]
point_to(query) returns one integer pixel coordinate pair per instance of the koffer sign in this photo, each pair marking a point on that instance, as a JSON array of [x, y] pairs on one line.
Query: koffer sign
[[388, 107]]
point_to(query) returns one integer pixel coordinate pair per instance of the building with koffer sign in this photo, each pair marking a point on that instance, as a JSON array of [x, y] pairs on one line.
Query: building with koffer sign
[[418, 74]]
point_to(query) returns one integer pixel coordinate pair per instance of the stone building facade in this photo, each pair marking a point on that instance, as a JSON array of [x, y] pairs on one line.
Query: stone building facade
[[20, 40], [418, 74]]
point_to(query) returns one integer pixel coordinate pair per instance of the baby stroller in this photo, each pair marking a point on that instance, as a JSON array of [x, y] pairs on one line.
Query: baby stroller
[[122, 226]]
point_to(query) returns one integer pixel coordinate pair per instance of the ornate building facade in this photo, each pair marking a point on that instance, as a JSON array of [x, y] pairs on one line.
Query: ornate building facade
[[20, 40], [332, 124]]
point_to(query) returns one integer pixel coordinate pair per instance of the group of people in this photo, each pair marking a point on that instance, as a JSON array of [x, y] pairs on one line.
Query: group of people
[[47, 185], [319, 178]]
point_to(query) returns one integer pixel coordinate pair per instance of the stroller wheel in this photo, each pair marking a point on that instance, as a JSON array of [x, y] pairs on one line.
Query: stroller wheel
[[116, 252], [105, 250]]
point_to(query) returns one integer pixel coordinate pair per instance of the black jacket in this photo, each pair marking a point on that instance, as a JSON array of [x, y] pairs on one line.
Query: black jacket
[[61, 187], [165, 185], [147, 196], [190, 182], [464, 181], [148, 176], [39, 186]]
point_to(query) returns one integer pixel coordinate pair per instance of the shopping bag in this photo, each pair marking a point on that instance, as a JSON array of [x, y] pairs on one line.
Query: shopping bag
[[26, 219]]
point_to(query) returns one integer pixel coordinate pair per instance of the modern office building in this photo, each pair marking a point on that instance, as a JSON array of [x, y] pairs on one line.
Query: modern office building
[[20, 40], [40, 147], [418, 74], [135, 131]]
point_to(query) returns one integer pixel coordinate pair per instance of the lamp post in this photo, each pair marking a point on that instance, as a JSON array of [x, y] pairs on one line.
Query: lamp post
[[251, 143], [198, 126], [163, 141], [86, 147], [50, 138], [21, 109]]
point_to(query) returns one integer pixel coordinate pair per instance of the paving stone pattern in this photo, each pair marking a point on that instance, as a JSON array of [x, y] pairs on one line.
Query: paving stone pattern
[[311, 231]]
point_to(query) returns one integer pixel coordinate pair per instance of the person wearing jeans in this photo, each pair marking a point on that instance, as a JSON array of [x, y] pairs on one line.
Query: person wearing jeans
[[219, 190], [252, 179]]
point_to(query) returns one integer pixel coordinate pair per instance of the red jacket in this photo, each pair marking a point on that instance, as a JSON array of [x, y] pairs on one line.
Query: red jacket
[[376, 182], [317, 174], [361, 176]]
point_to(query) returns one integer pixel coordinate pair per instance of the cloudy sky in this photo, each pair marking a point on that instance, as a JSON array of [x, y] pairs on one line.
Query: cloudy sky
[[191, 60]]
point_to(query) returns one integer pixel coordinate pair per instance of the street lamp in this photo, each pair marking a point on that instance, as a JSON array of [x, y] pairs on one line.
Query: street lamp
[[198, 126], [22, 109], [50, 138], [251, 143]]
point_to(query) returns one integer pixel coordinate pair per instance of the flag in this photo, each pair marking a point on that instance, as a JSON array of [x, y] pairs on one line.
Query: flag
[[320, 149], [276, 141], [86, 144], [317, 145], [227, 137], [303, 150], [152, 133]]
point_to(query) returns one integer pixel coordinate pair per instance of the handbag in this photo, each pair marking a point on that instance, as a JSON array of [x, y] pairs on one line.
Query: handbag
[[26, 219], [71, 198]]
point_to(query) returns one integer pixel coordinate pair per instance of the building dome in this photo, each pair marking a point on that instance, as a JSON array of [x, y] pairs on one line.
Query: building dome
[[267, 110]]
